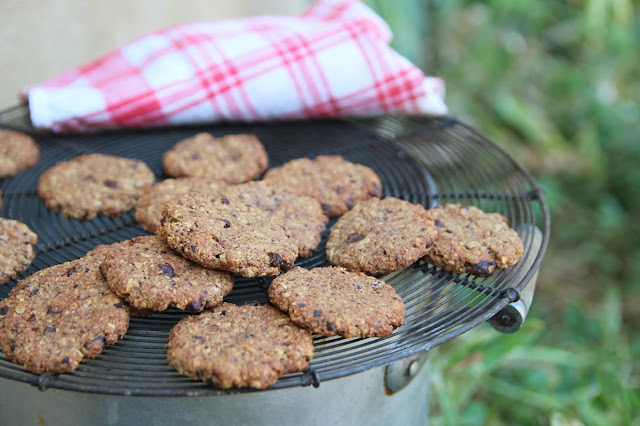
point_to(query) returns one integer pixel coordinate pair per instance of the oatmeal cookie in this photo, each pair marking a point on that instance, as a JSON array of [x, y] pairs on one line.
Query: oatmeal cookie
[[239, 346], [16, 248], [381, 236], [231, 158], [337, 184], [95, 183], [470, 240], [17, 152], [333, 301]]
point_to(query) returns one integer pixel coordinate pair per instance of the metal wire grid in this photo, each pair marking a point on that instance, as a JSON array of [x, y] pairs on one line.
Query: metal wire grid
[[427, 161]]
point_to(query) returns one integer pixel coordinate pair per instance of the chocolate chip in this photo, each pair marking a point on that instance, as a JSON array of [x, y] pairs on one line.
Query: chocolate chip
[[326, 208], [276, 259], [467, 247], [118, 305], [71, 271], [167, 270], [317, 312], [227, 224], [195, 156], [32, 318], [50, 330], [66, 360], [330, 326], [94, 340], [430, 243], [194, 307], [33, 292], [193, 248], [224, 200], [483, 269], [439, 224], [350, 203], [301, 305], [111, 183], [4, 310], [249, 335], [285, 266], [50, 310], [354, 238], [89, 178]]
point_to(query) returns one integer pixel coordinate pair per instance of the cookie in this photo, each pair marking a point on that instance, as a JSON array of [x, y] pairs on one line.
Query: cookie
[[145, 272], [16, 248], [239, 346], [231, 158], [337, 184], [472, 241], [95, 183], [333, 301], [223, 232], [17, 152], [381, 236], [58, 316], [302, 216], [150, 204]]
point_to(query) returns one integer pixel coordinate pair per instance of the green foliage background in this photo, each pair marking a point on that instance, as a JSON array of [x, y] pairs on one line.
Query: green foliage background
[[557, 83]]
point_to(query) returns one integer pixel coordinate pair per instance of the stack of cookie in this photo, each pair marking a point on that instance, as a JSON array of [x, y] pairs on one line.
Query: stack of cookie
[[211, 220]]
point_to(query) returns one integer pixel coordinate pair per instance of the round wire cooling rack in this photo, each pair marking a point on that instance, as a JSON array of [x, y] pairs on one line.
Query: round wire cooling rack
[[423, 160]]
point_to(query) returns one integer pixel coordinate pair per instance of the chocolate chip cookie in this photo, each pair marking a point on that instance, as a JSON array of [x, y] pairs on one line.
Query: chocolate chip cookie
[[381, 236], [223, 232], [95, 183], [150, 204], [231, 158], [337, 184], [333, 301], [16, 248], [145, 272], [58, 316], [472, 241], [239, 346], [17, 152], [302, 216]]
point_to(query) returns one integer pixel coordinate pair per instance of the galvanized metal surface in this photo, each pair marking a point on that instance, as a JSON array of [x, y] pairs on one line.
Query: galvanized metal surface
[[359, 399]]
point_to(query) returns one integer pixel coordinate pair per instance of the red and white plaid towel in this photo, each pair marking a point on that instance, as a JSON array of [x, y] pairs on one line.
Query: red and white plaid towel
[[334, 60]]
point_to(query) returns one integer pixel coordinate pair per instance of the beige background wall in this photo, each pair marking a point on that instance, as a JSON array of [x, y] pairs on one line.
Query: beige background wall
[[41, 38]]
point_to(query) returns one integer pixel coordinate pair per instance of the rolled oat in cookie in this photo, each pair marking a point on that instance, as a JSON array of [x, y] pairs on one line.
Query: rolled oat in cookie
[[302, 217], [152, 200], [16, 248], [239, 346], [333, 301], [337, 184], [472, 241], [145, 272], [90, 184], [224, 232], [17, 152], [381, 236], [58, 316], [231, 158]]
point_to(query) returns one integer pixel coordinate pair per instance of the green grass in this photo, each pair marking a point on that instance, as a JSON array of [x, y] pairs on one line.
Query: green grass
[[557, 83]]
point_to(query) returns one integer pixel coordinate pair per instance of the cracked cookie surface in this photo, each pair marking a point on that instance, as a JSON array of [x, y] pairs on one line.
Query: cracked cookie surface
[[223, 232], [472, 241], [152, 200], [145, 272], [18, 152], [239, 346], [381, 236], [337, 184], [333, 301], [302, 217], [231, 158], [16, 248], [60, 315], [95, 183]]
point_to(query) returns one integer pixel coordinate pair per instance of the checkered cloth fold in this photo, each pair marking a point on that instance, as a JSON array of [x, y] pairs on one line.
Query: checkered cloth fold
[[333, 60]]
